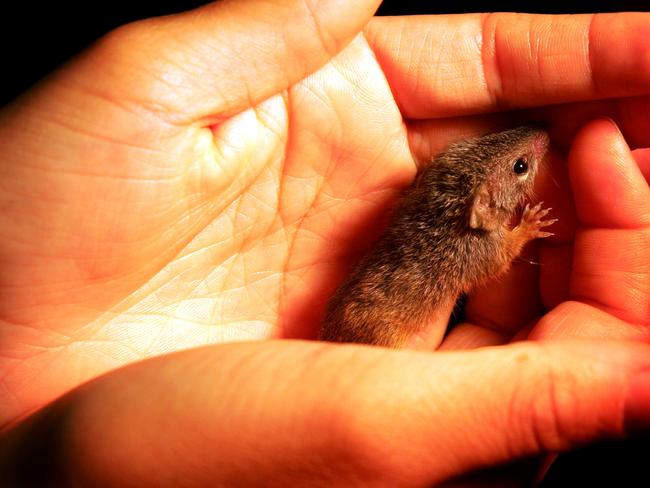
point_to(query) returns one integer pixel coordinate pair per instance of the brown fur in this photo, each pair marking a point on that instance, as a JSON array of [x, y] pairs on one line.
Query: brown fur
[[449, 234]]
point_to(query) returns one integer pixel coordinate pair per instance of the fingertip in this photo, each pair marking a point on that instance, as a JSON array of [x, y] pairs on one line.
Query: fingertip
[[610, 190], [578, 320]]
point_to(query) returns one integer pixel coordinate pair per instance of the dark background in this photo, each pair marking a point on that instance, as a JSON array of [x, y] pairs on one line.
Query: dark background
[[35, 37]]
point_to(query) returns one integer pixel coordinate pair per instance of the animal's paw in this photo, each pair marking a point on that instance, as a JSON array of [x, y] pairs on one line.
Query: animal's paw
[[531, 222]]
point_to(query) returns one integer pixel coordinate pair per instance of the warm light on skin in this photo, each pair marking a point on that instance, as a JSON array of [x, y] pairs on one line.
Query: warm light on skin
[[210, 177]]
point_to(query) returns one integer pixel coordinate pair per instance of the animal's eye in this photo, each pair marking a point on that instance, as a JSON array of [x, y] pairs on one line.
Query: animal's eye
[[520, 167]]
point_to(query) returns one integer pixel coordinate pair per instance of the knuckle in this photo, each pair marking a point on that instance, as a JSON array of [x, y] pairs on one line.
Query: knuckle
[[547, 410], [552, 409]]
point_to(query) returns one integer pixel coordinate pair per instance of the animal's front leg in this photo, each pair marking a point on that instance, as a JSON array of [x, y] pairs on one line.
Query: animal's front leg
[[530, 227]]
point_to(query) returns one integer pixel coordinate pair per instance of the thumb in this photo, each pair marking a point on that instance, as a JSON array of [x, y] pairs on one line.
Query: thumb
[[609, 187], [292, 413], [488, 407], [610, 267], [221, 58]]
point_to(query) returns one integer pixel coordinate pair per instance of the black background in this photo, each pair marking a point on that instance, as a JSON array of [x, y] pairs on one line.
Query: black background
[[35, 37]]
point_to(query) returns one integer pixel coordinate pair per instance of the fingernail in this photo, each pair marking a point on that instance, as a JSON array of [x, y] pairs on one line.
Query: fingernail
[[637, 404]]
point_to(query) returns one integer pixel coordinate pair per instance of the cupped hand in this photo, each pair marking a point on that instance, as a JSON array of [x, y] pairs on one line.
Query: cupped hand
[[211, 176], [179, 185]]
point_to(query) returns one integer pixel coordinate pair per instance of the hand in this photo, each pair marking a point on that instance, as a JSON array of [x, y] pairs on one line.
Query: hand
[[198, 191]]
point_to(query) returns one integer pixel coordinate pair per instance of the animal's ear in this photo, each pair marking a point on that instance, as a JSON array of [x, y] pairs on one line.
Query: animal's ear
[[483, 213]]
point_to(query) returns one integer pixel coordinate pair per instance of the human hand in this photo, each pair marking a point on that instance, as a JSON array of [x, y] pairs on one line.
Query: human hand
[[179, 218]]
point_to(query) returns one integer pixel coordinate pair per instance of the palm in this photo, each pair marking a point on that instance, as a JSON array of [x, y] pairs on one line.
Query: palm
[[254, 256], [167, 237]]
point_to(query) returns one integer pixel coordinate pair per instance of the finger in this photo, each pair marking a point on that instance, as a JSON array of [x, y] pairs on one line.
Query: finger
[[610, 264], [471, 336], [295, 413], [611, 270], [428, 137], [442, 66], [222, 58], [576, 320], [610, 190], [514, 475], [566, 120]]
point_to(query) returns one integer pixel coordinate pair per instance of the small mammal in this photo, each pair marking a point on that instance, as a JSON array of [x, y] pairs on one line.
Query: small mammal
[[451, 232]]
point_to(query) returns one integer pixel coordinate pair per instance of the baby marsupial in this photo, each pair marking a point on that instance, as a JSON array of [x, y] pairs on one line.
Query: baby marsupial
[[451, 232]]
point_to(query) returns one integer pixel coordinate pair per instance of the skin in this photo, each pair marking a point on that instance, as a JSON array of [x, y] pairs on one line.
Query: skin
[[202, 190]]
